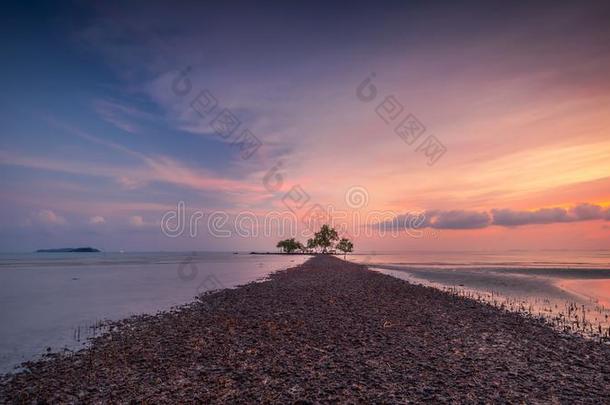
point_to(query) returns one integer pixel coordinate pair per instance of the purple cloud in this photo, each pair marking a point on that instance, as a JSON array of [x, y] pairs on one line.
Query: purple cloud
[[580, 212], [507, 217], [458, 219], [464, 219], [587, 211]]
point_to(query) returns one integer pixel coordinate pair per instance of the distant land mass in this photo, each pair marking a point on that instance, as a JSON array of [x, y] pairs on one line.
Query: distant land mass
[[70, 250]]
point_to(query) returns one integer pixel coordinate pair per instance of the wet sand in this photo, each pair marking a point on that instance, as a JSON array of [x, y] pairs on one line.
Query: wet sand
[[575, 300], [509, 281], [326, 331]]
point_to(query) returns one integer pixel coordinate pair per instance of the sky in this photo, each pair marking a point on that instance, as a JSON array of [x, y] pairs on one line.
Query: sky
[[407, 125]]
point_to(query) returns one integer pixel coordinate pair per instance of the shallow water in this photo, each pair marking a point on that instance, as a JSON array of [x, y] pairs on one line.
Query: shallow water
[[58, 300], [571, 289], [515, 259]]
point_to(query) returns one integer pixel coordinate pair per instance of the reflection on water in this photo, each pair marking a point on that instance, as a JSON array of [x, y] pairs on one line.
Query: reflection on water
[[59, 300], [591, 290], [565, 259], [569, 289]]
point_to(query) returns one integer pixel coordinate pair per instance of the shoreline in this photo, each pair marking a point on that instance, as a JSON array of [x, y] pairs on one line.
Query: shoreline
[[570, 301], [327, 330]]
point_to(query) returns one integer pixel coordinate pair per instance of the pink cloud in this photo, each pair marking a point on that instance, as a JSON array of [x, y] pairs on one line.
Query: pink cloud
[[136, 220], [50, 218], [97, 220]]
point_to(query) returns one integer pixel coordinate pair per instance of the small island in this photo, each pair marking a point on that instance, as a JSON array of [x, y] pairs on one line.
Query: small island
[[70, 250]]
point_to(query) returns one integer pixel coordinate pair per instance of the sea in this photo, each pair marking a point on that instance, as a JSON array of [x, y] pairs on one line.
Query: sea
[[53, 302]]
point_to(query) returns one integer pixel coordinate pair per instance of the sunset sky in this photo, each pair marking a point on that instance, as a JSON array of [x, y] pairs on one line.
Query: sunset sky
[[101, 130]]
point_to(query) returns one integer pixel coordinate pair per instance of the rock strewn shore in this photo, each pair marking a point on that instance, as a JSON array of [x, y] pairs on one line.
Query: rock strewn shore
[[326, 331]]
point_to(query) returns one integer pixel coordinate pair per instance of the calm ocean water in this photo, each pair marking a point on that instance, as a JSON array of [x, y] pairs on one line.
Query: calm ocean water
[[55, 300], [591, 259]]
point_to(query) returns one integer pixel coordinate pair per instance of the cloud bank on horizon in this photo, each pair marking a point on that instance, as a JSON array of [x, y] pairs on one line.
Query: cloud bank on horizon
[[112, 115], [464, 219]]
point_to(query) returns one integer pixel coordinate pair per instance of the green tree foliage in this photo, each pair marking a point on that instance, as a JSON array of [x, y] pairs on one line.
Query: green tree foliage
[[289, 245], [311, 245], [324, 240], [345, 245], [325, 237]]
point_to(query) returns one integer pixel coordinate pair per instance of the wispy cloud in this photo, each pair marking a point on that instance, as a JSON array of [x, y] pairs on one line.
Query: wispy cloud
[[136, 220], [119, 115], [97, 220], [148, 169]]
